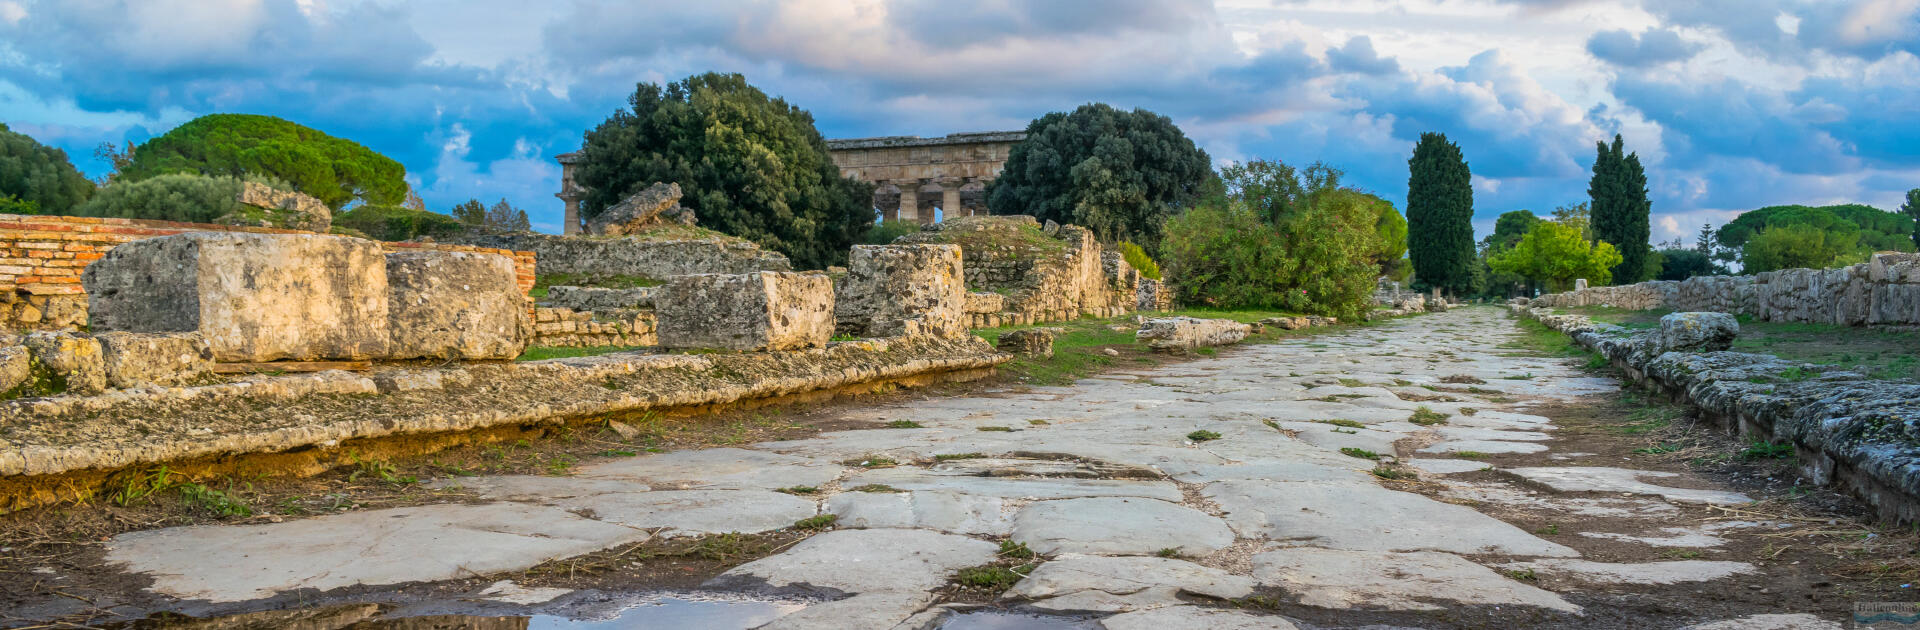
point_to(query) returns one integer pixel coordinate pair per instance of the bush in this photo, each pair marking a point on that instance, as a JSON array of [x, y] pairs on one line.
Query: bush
[[10, 204], [884, 232], [176, 197], [1796, 246], [394, 223], [1139, 260], [1319, 258]]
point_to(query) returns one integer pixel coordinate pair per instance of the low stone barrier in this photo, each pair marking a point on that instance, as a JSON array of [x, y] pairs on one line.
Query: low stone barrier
[[1187, 333], [599, 256], [600, 298], [1849, 431], [264, 414], [1885, 290], [568, 328]]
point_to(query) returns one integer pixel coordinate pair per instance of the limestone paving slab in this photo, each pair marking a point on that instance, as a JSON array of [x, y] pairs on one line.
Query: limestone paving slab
[[678, 513], [1447, 466], [1118, 525], [916, 479], [1076, 582], [1794, 621], [226, 563], [1483, 446], [718, 468], [950, 512], [1623, 480], [881, 609], [1330, 578], [863, 561], [1367, 517], [1669, 572]]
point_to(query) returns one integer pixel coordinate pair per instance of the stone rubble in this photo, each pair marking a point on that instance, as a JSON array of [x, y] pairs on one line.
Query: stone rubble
[[654, 205], [1181, 334]]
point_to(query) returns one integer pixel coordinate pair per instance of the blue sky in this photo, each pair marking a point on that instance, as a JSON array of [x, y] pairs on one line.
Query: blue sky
[[1731, 104]]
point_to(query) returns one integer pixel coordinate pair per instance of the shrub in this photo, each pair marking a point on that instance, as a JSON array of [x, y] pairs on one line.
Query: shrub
[[1319, 258], [394, 223], [1139, 260], [177, 197], [884, 232]]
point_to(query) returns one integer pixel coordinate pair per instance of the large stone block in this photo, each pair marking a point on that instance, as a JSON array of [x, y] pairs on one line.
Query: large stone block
[[254, 297], [768, 310], [905, 289], [1187, 333], [600, 298], [73, 361], [455, 305], [135, 359]]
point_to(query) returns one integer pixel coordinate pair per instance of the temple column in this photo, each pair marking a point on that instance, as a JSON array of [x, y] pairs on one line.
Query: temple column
[[572, 225], [886, 213], [909, 201], [950, 200]]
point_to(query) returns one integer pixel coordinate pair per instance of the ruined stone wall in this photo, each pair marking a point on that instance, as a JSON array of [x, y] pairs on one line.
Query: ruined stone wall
[[41, 258], [568, 328], [1047, 274], [1883, 291], [602, 256]]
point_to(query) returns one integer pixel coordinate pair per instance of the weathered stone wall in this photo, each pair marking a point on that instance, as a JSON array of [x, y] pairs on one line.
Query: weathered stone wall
[[1047, 274], [568, 328], [604, 256], [1885, 290], [892, 290], [41, 258], [1859, 434]]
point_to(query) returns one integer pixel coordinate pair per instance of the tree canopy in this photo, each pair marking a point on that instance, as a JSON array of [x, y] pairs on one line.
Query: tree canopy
[[1555, 254], [334, 170], [1440, 214], [749, 165], [1850, 232], [1912, 209], [1620, 209], [38, 177], [1799, 245], [1119, 174], [1680, 264]]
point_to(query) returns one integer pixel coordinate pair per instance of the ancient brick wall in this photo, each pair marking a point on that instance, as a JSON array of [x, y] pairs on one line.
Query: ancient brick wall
[[41, 258], [1883, 291]]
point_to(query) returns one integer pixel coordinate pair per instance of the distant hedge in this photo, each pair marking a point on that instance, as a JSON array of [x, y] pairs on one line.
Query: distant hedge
[[394, 223], [177, 197]]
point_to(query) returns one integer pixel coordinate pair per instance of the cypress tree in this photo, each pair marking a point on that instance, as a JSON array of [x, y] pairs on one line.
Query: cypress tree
[[1912, 208], [1440, 214], [1621, 209]]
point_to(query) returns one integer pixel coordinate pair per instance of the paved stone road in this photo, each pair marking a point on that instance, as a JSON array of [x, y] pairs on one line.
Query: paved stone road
[[1100, 477]]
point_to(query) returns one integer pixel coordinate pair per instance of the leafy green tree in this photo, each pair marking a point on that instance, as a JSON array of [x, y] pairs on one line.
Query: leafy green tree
[[1510, 228], [1440, 214], [1392, 230], [397, 223], [1554, 254], [748, 165], [471, 212], [885, 232], [1868, 229], [1119, 174], [40, 175], [1621, 210], [1912, 209], [10, 204], [1680, 264], [503, 216], [334, 170], [1799, 245]]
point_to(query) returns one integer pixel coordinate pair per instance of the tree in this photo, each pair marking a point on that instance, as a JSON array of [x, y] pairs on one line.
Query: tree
[[1680, 264], [1796, 246], [1440, 214], [470, 212], [1119, 174], [1392, 230], [503, 216], [117, 157], [1510, 228], [1576, 216], [37, 174], [334, 170], [1554, 255], [748, 165], [1863, 229], [1621, 210], [1912, 209], [175, 197], [397, 223]]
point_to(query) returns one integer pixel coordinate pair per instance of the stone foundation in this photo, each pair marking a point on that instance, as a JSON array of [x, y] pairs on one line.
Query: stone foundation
[[567, 328], [1177, 334], [1851, 432], [1044, 274], [893, 290], [607, 256], [1883, 291]]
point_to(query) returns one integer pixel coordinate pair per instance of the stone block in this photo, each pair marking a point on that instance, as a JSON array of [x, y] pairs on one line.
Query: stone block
[[1031, 343], [283, 209], [71, 359], [16, 367], [888, 286], [599, 298], [454, 305], [1708, 332], [1187, 333], [767, 310], [984, 302], [657, 204], [253, 297], [136, 359]]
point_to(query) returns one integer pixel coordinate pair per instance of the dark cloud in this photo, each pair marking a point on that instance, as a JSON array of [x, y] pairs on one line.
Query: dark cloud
[[1652, 47], [1358, 57]]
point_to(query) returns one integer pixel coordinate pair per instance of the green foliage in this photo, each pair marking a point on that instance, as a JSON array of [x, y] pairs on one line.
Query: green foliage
[[1361, 453], [1761, 449], [1799, 246], [1440, 214], [394, 223], [1120, 174], [1912, 210], [1261, 248], [1203, 435], [1554, 255], [816, 523], [334, 170], [884, 232], [471, 212], [37, 177], [749, 165], [1851, 231], [176, 197], [989, 577], [1426, 417], [1510, 228], [1392, 230], [1620, 209], [1680, 264], [1139, 260], [1016, 550]]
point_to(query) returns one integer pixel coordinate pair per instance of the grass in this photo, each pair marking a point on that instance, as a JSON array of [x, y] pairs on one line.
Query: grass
[[1878, 353], [1522, 575], [1427, 417], [876, 487], [1170, 552], [798, 490], [538, 353], [1351, 382], [947, 457], [1203, 436], [905, 424], [873, 462], [995, 428], [1351, 424], [816, 523], [991, 577], [1359, 452], [1392, 474], [616, 281], [1469, 454], [1078, 347], [1761, 449], [1016, 550]]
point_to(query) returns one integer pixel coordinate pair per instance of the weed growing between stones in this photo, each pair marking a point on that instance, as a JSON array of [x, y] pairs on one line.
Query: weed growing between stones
[[221, 504], [993, 578], [1352, 382], [1359, 452], [1522, 575], [876, 487], [1468, 411], [797, 490], [1469, 454], [618, 453], [1038, 423], [1761, 449], [1016, 550], [873, 462], [1170, 552], [1203, 436], [1549, 530], [1427, 417], [816, 523], [1393, 474], [1351, 424], [905, 424], [947, 457], [995, 428]]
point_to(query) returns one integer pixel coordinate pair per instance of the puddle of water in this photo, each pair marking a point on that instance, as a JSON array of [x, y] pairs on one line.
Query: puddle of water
[[995, 620], [676, 612], [657, 611]]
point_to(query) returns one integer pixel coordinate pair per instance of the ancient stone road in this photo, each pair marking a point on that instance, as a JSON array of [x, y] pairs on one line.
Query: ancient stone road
[[1140, 526]]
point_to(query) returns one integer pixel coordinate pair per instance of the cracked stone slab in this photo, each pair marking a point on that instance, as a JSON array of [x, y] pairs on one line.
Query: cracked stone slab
[[1580, 506], [863, 561], [1329, 578], [950, 512], [1118, 525], [1447, 466], [695, 512], [914, 479], [1083, 583], [866, 610], [718, 468], [536, 488], [1669, 572], [1623, 480], [1195, 618], [1367, 517], [228, 563], [1796, 621], [1483, 446]]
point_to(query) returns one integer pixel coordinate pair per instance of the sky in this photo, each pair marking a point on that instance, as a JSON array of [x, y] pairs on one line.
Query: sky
[[1730, 104]]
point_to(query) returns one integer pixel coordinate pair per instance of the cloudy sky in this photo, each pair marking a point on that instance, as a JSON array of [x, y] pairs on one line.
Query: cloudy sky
[[1731, 104]]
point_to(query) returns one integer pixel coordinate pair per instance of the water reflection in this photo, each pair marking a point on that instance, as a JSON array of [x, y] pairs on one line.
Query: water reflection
[[996, 620]]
